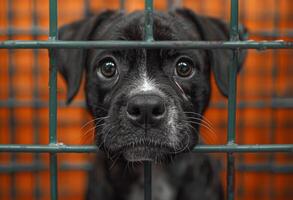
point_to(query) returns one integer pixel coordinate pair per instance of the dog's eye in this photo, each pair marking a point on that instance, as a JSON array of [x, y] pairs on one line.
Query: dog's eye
[[107, 67], [184, 67]]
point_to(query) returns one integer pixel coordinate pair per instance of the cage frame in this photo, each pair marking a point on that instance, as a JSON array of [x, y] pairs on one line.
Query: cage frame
[[54, 147]]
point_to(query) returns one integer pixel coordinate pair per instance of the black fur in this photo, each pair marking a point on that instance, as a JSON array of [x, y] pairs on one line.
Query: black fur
[[189, 176]]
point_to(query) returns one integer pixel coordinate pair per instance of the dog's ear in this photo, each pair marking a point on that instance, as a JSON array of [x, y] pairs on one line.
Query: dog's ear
[[212, 29], [71, 62]]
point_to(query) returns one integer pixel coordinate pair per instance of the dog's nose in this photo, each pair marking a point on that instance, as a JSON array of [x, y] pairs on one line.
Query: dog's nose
[[146, 109]]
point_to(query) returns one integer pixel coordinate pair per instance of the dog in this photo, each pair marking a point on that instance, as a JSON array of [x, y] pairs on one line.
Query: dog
[[147, 104]]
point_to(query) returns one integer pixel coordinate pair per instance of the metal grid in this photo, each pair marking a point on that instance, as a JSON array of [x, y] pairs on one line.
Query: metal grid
[[53, 148]]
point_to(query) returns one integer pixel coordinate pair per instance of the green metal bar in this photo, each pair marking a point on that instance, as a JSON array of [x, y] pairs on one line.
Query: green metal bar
[[232, 101], [257, 104], [86, 166], [148, 21], [53, 100], [147, 180], [148, 37], [259, 45], [61, 148], [15, 31], [242, 120]]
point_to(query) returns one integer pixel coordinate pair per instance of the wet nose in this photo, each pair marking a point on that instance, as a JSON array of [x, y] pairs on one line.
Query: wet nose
[[146, 110]]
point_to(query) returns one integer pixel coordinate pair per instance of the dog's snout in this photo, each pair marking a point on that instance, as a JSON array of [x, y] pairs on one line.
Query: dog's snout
[[146, 109]]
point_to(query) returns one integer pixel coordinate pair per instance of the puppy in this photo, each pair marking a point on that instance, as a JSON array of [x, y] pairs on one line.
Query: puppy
[[147, 103]]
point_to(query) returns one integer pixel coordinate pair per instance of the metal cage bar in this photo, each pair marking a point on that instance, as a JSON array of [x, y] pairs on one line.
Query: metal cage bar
[[53, 100], [54, 148], [62, 148], [259, 45], [86, 166], [257, 104], [241, 123], [234, 36], [148, 31]]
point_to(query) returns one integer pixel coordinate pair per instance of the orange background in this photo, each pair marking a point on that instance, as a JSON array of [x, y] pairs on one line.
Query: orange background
[[257, 85]]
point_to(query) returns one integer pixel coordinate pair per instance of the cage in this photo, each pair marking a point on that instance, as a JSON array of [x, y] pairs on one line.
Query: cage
[[256, 150]]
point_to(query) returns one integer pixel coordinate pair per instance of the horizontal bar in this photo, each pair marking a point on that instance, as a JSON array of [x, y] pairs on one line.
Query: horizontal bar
[[272, 103], [86, 166], [39, 44], [61, 148], [15, 31]]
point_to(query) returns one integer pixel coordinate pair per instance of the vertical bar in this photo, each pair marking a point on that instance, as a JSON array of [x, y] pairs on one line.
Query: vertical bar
[[53, 99], [232, 101], [149, 20], [36, 122], [147, 180], [12, 121], [148, 37], [241, 131]]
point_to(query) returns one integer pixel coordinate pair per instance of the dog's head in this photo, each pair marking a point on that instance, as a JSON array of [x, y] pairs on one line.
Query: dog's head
[[147, 103]]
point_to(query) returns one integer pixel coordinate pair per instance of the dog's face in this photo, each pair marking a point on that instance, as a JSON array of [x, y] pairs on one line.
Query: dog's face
[[147, 103]]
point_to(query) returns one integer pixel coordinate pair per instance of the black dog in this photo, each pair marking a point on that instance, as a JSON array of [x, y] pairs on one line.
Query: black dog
[[147, 104]]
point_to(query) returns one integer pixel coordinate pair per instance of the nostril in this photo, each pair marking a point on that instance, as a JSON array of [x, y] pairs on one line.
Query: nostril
[[134, 111], [158, 110]]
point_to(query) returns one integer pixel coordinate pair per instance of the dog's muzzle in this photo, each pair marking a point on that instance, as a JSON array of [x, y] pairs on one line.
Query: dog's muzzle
[[147, 113]]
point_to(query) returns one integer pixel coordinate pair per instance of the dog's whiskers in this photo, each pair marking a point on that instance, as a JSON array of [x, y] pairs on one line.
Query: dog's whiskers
[[115, 161], [202, 125], [91, 130], [202, 122], [213, 136], [176, 151], [107, 131], [101, 107], [93, 120], [200, 115]]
